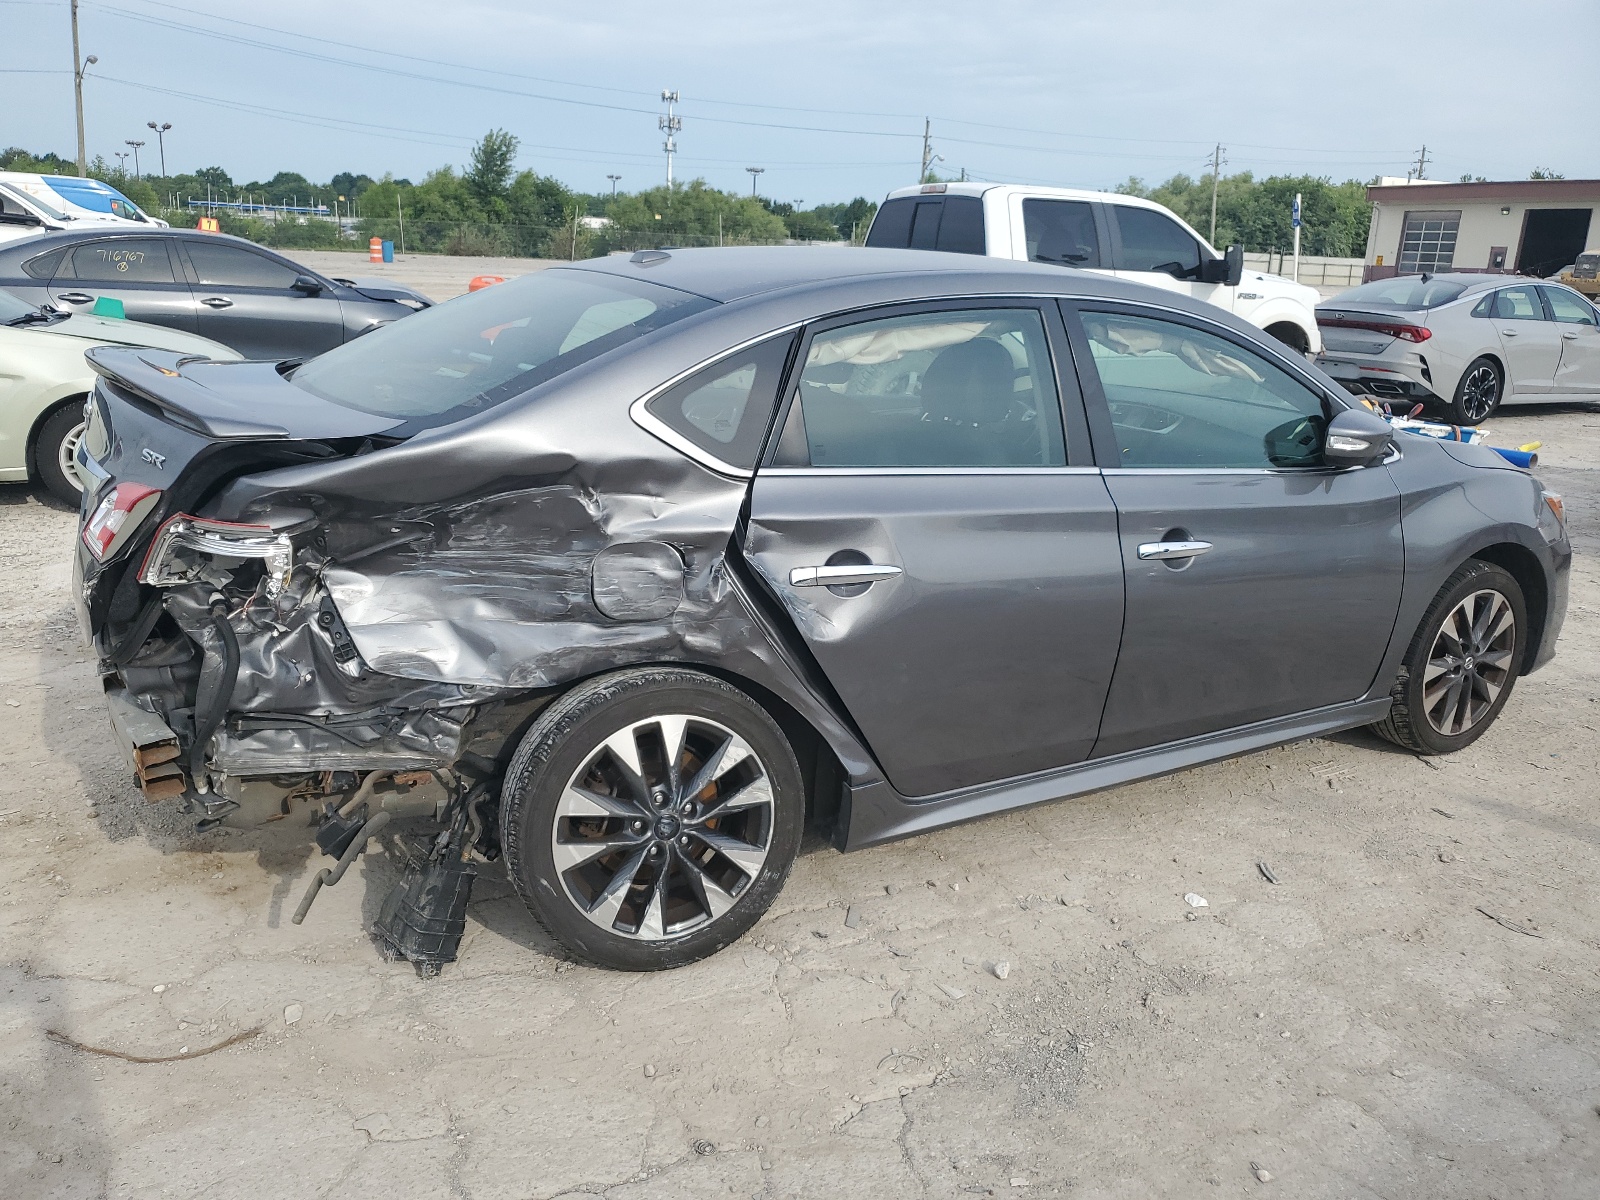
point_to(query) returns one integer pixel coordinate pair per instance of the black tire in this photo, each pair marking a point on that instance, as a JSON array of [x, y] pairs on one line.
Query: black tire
[[1478, 392], [59, 429], [536, 810], [1415, 720]]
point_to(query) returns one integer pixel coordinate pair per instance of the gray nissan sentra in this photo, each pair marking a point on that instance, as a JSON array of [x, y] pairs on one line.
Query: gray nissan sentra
[[626, 570]]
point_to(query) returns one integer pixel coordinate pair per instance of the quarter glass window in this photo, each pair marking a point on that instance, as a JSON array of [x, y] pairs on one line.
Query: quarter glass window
[[1182, 398], [1568, 308], [725, 409], [971, 388]]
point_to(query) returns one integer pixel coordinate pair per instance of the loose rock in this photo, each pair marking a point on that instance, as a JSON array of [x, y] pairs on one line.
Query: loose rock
[[293, 1013], [1195, 901], [1001, 969], [704, 1147], [649, 1070]]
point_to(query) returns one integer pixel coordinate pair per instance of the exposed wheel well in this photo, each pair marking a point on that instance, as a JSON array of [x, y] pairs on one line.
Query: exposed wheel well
[[1290, 335], [1520, 562], [38, 423]]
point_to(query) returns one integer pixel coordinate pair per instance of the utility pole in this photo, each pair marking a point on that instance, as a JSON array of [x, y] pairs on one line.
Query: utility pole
[[79, 66], [1422, 163], [400, 216], [161, 140], [754, 172], [669, 125], [1216, 172], [613, 179], [927, 150], [135, 145]]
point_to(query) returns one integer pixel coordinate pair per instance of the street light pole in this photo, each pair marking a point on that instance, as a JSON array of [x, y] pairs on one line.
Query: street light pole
[[79, 66], [161, 141], [754, 172], [135, 145], [613, 179]]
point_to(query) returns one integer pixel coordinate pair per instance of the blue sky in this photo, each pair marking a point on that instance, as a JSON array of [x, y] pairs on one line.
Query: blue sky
[[828, 97]]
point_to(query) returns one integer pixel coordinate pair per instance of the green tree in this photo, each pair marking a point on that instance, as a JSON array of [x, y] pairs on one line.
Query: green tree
[[690, 214], [489, 176]]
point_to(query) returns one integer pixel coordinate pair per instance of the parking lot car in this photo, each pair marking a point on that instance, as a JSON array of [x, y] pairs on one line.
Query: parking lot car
[[260, 303], [44, 382], [623, 569], [1127, 237], [1464, 342], [25, 216], [81, 199]]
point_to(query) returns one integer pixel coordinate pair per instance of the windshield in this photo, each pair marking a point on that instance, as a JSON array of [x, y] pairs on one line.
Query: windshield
[[478, 350], [27, 200], [1405, 293], [11, 308]]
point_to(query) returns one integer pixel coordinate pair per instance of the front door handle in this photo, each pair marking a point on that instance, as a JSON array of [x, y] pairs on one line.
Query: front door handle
[[1509, 332], [76, 297], [1571, 336], [842, 575], [1164, 551], [217, 302]]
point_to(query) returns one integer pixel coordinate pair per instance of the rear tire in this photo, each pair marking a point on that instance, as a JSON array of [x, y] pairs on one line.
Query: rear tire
[[1462, 663], [1478, 393], [637, 856], [53, 447]]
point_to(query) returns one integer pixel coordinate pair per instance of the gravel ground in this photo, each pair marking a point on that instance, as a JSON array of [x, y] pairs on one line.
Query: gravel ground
[[1360, 1028]]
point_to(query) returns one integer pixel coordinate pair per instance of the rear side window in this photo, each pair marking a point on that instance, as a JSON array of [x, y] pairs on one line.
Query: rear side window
[[124, 260], [222, 265], [950, 223], [971, 388], [725, 408], [1061, 232], [1153, 241], [1518, 304]]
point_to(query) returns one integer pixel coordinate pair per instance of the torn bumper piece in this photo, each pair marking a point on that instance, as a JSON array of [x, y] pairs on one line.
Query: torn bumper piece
[[150, 744]]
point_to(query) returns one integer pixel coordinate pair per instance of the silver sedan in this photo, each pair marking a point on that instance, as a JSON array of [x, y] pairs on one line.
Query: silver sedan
[[1464, 342]]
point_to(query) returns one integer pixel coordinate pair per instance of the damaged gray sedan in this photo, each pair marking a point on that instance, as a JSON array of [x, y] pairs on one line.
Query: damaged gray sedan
[[624, 571]]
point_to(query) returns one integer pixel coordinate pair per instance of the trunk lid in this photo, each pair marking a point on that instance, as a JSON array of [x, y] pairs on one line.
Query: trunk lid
[[1352, 330]]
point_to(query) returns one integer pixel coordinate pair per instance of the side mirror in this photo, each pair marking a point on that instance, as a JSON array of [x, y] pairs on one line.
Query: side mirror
[[1235, 260], [1356, 438], [306, 285]]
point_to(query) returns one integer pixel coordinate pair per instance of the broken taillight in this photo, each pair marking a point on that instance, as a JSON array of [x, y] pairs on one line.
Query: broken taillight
[[117, 516], [186, 548]]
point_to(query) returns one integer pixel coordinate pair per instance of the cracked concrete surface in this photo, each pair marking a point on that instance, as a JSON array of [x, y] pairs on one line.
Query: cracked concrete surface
[[1359, 1029]]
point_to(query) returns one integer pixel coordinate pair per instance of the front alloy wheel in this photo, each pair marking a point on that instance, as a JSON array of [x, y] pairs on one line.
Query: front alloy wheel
[[1462, 662], [650, 817]]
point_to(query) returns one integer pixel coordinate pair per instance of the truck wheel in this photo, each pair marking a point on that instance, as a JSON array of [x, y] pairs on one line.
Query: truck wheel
[[1292, 336], [650, 817], [1459, 670], [53, 449]]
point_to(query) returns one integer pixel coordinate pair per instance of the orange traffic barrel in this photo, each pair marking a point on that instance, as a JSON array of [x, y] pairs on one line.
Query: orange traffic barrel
[[479, 282], [375, 249]]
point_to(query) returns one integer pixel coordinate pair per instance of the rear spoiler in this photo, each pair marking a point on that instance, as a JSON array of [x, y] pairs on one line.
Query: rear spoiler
[[156, 378]]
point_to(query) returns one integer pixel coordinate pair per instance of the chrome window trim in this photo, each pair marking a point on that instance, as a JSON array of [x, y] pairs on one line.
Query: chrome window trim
[[658, 428], [794, 472]]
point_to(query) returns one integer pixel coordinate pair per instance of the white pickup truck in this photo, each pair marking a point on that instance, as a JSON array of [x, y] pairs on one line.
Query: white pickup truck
[[1106, 232]]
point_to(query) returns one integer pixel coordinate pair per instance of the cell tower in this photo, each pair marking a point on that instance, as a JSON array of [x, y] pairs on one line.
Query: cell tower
[[669, 125]]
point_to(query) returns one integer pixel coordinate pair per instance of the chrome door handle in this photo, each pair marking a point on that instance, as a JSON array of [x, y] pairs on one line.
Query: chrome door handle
[[217, 302], [1508, 332], [76, 297], [1149, 551], [1571, 337], [842, 575]]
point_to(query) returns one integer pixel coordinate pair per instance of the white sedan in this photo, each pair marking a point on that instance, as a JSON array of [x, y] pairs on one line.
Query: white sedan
[[1463, 342], [44, 381]]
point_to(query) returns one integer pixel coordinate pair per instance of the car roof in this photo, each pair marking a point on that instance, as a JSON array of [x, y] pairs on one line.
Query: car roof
[[732, 273], [31, 247], [971, 188]]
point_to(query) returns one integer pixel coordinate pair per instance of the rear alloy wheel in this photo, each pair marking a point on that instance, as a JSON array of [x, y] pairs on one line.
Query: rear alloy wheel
[[1460, 668], [1478, 393], [650, 817], [55, 452]]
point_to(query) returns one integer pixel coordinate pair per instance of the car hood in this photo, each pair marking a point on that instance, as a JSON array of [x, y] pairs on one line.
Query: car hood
[[1278, 285], [385, 289], [114, 331]]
